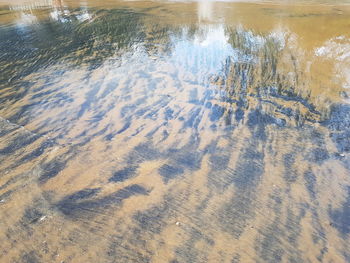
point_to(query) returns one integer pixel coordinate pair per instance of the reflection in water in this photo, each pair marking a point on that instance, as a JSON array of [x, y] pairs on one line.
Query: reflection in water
[[205, 10], [174, 132]]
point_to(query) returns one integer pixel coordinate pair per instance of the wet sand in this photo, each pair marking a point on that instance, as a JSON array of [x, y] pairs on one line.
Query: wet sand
[[174, 132]]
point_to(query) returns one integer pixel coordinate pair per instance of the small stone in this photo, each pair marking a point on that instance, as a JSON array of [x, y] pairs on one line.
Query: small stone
[[42, 218], [2, 201], [177, 223], [342, 155]]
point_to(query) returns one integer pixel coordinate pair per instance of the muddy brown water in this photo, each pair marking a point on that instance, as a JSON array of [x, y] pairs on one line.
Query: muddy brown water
[[174, 131]]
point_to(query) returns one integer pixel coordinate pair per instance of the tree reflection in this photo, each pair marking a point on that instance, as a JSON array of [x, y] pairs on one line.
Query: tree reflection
[[263, 74], [80, 37]]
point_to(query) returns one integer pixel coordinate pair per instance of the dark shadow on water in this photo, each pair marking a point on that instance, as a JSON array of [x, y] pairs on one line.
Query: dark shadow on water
[[341, 216], [85, 204]]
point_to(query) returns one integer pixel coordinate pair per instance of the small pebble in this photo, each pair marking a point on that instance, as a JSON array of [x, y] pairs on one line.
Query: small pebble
[[177, 223], [42, 218], [342, 155]]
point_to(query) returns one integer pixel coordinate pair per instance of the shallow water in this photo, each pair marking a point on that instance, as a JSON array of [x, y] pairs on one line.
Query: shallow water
[[174, 131]]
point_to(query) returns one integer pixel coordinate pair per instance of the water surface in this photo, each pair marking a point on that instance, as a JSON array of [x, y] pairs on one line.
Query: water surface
[[174, 131]]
